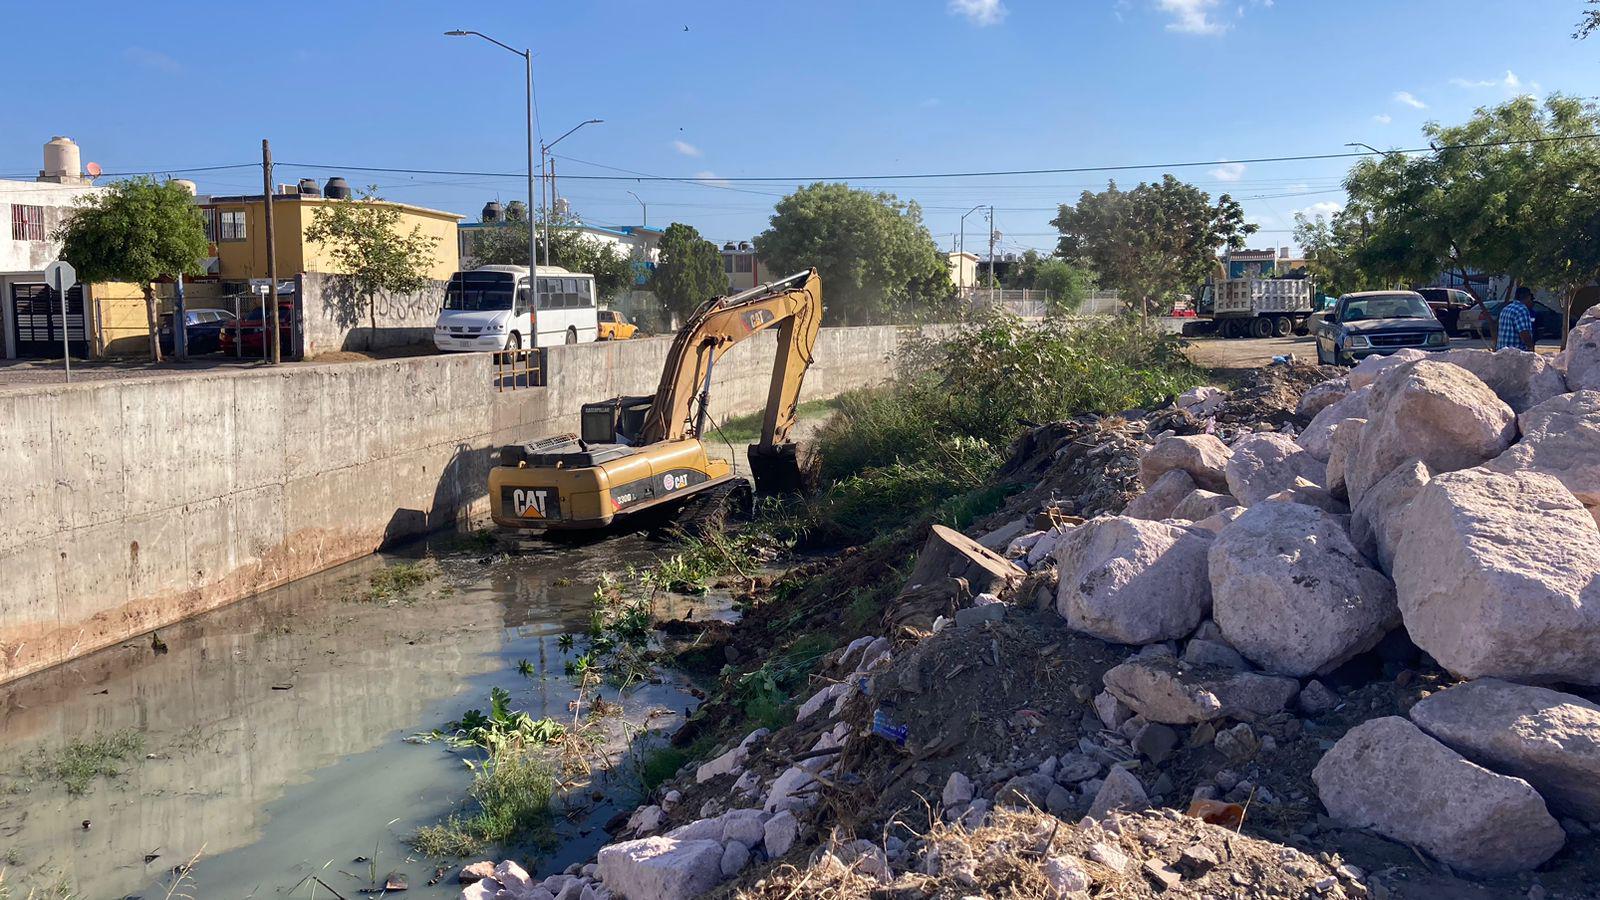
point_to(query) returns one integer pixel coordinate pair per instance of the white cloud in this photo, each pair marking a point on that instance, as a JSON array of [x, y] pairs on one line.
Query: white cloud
[[1191, 16], [1227, 172], [981, 13], [152, 59], [710, 178], [1510, 82], [1383, 118], [1409, 99], [686, 148], [1325, 208]]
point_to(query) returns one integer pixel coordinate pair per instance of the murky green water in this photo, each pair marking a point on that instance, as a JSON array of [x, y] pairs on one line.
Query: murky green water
[[273, 731]]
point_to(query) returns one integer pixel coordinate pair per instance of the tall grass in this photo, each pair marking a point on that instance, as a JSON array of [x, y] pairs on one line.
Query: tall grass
[[512, 792]]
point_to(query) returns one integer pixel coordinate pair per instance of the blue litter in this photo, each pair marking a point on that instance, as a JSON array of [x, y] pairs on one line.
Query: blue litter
[[884, 727]]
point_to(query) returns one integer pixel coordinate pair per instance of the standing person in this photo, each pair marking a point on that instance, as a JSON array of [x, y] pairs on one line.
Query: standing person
[[1515, 325]]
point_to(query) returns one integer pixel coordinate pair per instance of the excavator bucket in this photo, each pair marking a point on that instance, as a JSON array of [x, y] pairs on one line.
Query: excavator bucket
[[776, 468]]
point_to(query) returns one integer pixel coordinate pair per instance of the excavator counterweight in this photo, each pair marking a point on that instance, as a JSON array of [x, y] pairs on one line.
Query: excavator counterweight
[[641, 452]]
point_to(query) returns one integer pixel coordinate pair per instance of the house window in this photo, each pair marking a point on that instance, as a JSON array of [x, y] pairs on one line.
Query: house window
[[27, 223], [743, 262], [210, 218], [727, 263], [230, 225]]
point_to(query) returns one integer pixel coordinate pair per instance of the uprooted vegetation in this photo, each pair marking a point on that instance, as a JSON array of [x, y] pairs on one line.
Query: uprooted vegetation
[[78, 764], [1153, 622]]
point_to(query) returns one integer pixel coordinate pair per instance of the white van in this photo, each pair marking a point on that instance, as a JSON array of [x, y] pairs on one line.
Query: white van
[[495, 308]]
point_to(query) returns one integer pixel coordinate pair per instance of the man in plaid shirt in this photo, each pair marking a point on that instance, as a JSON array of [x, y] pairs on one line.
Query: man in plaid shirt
[[1516, 322]]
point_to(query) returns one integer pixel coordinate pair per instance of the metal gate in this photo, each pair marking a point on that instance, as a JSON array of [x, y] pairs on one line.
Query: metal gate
[[36, 310]]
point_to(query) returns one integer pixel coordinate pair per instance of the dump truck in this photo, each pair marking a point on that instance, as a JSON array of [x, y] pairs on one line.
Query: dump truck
[[643, 453], [1254, 307]]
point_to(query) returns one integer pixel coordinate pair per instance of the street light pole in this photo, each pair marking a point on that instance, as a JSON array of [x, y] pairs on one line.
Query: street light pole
[[544, 151], [527, 59], [644, 211], [962, 280]]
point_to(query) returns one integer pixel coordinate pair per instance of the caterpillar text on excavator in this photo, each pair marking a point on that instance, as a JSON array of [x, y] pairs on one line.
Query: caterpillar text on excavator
[[646, 452]]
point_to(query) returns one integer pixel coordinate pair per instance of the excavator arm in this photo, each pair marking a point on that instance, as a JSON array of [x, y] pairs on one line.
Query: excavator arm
[[793, 306]]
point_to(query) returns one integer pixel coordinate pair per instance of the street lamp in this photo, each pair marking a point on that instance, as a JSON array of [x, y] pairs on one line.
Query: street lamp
[[961, 270], [527, 59], [1373, 149], [644, 211], [544, 151]]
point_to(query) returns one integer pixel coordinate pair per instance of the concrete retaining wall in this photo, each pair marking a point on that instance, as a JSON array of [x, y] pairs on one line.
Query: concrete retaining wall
[[129, 505]]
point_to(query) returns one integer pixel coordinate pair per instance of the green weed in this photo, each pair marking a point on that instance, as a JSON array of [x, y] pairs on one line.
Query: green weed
[[659, 765], [394, 583], [512, 794], [500, 729], [77, 764]]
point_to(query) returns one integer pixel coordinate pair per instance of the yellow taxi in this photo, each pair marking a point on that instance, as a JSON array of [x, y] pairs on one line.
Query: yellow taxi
[[614, 326]]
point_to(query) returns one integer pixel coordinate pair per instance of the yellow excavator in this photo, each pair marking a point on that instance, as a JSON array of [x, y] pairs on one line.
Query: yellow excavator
[[646, 452]]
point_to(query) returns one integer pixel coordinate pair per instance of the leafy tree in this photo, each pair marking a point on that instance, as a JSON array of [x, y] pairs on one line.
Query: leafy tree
[[506, 244], [689, 271], [138, 231], [1332, 244], [876, 258], [1066, 286], [1589, 23], [364, 238], [1153, 241]]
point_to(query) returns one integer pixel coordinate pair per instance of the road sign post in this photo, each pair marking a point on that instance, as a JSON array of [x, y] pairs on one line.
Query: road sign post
[[61, 276], [264, 287]]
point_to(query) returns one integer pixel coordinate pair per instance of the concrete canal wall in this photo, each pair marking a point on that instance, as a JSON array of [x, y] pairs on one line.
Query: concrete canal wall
[[128, 505]]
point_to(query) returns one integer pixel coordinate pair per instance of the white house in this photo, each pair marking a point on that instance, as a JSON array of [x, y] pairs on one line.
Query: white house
[[30, 317]]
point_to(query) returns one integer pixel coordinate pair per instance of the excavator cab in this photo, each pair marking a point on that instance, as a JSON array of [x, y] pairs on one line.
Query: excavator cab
[[640, 452]]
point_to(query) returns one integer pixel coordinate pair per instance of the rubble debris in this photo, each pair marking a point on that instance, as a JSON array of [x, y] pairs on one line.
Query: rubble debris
[[1387, 775], [1163, 689], [1291, 592], [661, 868], [1120, 791], [1201, 401], [1432, 411], [1133, 581], [1545, 737], [1498, 575], [949, 553], [1202, 456], [1261, 465]]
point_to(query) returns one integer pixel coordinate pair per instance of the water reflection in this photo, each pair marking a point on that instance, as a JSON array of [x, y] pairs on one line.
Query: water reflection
[[273, 727]]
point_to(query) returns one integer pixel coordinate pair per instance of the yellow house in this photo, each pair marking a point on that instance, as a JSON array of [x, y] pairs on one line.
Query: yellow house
[[236, 228]]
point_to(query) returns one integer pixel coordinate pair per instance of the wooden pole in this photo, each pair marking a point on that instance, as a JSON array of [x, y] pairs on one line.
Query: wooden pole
[[269, 323]]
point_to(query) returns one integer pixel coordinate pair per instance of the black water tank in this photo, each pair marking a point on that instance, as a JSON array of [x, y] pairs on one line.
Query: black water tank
[[493, 211], [308, 188], [337, 189]]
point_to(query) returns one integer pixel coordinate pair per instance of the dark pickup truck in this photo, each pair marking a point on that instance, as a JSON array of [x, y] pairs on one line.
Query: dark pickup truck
[[1377, 323]]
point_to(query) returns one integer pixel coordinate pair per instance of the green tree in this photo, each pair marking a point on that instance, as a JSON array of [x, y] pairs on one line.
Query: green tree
[[506, 244], [1065, 285], [876, 257], [1151, 242], [689, 271], [1332, 244], [1589, 23], [138, 231], [364, 237]]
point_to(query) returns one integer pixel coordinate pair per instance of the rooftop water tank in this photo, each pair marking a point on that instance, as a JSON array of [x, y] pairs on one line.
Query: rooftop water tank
[[62, 162], [337, 189], [516, 211], [728, 246], [187, 185], [308, 188], [493, 211]]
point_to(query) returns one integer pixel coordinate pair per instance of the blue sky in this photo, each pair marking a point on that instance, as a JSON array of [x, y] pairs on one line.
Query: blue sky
[[786, 89]]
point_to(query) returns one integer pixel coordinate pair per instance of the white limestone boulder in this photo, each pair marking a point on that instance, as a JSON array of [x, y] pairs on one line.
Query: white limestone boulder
[[661, 868], [1582, 357], [1560, 437], [1346, 438], [1202, 504], [1132, 581], [1317, 437], [1159, 499], [1291, 592], [1263, 464], [1388, 776], [1203, 456], [1432, 411], [1322, 395], [1498, 576], [1174, 692], [1377, 524], [1549, 739], [730, 762], [1522, 380], [1367, 371]]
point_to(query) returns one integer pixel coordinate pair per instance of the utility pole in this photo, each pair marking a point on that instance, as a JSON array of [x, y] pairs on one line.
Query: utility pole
[[991, 256], [269, 318]]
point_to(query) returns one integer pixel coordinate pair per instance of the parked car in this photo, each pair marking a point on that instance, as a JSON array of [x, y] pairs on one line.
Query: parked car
[[1448, 304], [203, 330], [248, 335], [1377, 323], [1479, 319], [614, 326]]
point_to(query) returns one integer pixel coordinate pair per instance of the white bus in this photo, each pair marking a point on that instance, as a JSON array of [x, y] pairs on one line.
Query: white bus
[[496, 308]]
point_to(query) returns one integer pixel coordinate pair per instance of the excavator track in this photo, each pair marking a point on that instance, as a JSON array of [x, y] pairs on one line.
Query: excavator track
[[710, 511]]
